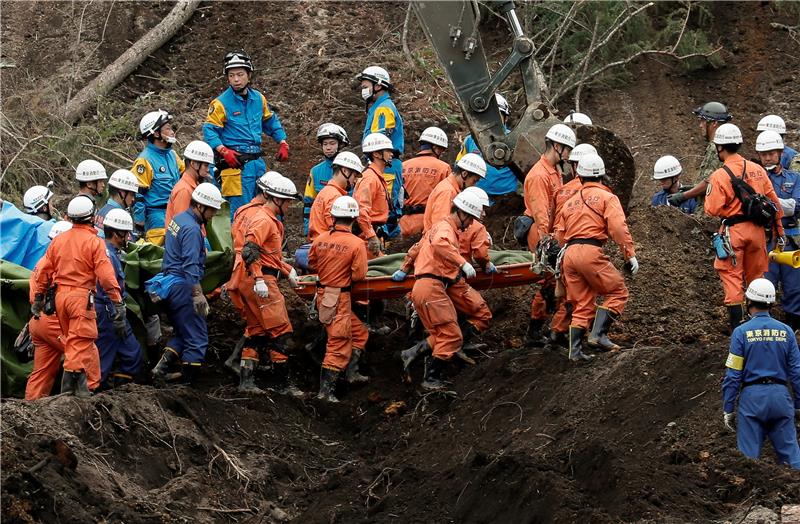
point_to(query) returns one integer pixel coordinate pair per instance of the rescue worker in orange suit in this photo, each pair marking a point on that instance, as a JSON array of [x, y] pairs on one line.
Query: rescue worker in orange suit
[[437, 265], [47, 340], [541, 185], [178, 286], [421, 174], [747, 239], [469, 169], [262, 263], [371, 191], [75, 262], [341, 259], [585, 223], [346, 171], [198, 158]]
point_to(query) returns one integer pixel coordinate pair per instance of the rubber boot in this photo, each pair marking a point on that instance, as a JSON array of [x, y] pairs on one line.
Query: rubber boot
[[236, 355], [284, 384], [470, 333], [68, 382], [558, 338], [352, 376], [433, 374], [75, 383], [534, 338], [120, 379], [190, 371], [408, 356], [327, 385], [168, 358], [247, 379], [735, 315], [598, 338], [576, 353]]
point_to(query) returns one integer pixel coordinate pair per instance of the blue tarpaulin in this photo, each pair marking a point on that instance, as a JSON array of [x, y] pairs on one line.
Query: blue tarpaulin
[[23, 237]]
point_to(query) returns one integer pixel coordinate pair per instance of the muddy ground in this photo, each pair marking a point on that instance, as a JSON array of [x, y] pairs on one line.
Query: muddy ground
[[523, 436]]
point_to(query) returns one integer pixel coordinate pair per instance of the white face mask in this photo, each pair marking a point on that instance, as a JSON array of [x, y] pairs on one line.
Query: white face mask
[[771, 167], [169, 139], [366, 93]]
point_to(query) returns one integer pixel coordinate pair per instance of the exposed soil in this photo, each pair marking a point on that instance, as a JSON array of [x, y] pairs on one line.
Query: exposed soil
[[523, 436]]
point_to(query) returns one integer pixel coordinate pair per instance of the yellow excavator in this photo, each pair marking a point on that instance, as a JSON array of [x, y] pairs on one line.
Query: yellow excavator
[[452, 27]]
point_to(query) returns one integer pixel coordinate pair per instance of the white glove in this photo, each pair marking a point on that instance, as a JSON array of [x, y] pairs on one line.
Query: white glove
[[727, 419], [294, 280], [468, 270], [788, 205], [634, 265], [260, 289]]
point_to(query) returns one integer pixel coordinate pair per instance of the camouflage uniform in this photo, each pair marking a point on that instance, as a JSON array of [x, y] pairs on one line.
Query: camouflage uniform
[[708, 165]]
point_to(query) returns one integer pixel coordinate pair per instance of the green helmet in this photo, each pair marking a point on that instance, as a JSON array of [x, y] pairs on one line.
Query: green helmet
[[713, 111]]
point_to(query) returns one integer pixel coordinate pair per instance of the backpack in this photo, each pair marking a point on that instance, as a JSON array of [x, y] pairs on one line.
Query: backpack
[[756, 208]]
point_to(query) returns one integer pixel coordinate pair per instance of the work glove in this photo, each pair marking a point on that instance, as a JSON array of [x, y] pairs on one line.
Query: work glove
[[633, 265], [676, 199], [199, 301], [260, 288], [728, 421], [119, 320], [490, 269], [468, 270], [399, 275], [294, 280], [283, 152], [374, 245], [788, 205], [231, 157], [38, 305], [781, 242]]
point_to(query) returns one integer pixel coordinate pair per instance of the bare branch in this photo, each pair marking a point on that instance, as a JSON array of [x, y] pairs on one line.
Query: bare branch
[[792, 30], [683, 29], [406, 50], [585, 65], [8, 166]]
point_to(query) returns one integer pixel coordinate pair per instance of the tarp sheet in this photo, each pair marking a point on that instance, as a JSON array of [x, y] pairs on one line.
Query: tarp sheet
[[24, 236]]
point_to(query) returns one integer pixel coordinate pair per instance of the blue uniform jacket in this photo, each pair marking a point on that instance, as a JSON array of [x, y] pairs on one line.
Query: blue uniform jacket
[[114, 255], [382, 117], [157, 170], [237, 122], [787, 185], [498, 181], [317, 178], [101, 215], [660, 199], [184, 250], [786, 156], [761, 348]]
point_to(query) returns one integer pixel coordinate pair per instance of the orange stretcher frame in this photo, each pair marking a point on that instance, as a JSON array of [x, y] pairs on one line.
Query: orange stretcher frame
[[377, 288]]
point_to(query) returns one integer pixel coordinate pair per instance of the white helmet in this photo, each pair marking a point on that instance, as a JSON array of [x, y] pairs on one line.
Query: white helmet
[[281, 188], [152, 122], [35, 198], [90, 170], [334, 131], [666, 167], [266, 178], [376, 142], [728, 134], [772, 123], [348, 160], [118, 219], [207, 194], [344, 207], [377, 75], [769, 141], [761, 290], [124, 180], [469, 203], [480, 193], [435, 136], [561, 134], [502, 104], [578, 118], [199, 151], [58, 228], [473, 163], [80, 209], [581, 149], [591, 166]]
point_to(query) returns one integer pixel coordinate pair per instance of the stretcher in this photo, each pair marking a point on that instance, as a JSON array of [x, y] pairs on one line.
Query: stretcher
[[377, 288]]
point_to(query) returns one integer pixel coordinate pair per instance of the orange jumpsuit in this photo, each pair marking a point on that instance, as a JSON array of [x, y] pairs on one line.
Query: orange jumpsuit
[[181, 196], [561, 318], [586, 222], [437, 264], [373, 201], [421, 174], [341, 259], [239, 277], [748, 240], [320, 219], [75, 261], [541, 187], [440, 202], [266, 231]]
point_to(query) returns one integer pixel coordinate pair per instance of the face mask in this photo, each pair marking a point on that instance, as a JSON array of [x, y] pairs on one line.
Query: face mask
[[169, 140], [366, 93], [771, 167]]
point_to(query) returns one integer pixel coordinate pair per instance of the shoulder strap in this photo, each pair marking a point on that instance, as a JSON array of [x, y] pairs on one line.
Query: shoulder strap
[[590, 207]]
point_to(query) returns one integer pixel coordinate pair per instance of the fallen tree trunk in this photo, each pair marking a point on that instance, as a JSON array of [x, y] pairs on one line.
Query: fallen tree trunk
[[115, 73]]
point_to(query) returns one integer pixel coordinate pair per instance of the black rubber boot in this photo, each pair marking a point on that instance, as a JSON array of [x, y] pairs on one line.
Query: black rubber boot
[[236, 355], [75, 383], [471, 341], [557, 338], [327, 385], [576, 353], [284, 384], [190, 371], [247, 379], [408, 356], [433, 374], [68, 382], [120, 379], [598, 338], [168, 358], [352, 376], [735, 315], [534, 337]]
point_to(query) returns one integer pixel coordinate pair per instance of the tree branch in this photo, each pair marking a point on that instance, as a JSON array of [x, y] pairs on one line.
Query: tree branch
[[685, 21], [585, 65]]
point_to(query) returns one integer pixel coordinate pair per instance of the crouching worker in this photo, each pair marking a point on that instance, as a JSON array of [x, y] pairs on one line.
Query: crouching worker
[[341, 259], [75, 262], [763, 358], [178, 286], [117, 228], [667, 172]]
